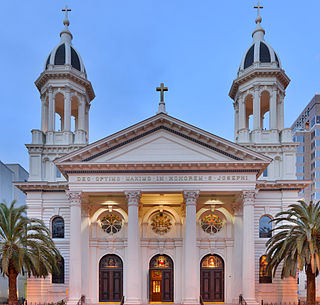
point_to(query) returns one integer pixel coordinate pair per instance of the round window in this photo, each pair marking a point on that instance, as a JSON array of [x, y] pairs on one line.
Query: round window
[[161, 223], [111, 224], [211, 223]]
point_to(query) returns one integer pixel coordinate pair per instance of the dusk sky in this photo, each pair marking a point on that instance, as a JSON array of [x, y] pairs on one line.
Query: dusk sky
[[130, 47]]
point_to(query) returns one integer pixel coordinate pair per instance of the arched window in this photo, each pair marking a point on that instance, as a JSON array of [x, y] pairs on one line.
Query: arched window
[[264, 276], [265, 227], [58, 277], [58, 227]]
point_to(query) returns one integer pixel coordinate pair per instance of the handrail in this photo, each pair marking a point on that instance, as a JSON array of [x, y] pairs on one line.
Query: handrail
[[122, 300], [242, 301], [201, 300], [82, 300]]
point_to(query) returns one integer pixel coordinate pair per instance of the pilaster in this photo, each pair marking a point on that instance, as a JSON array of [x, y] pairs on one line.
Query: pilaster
[[75, 279], [191, 256], [248, 257], [133, 258]]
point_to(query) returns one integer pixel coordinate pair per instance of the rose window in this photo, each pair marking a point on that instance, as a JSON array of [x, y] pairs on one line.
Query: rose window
[[111, 224], [211, 223], [161, 223]]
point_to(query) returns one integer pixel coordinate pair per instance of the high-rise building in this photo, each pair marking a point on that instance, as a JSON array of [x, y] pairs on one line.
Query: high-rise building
[[306, 133]]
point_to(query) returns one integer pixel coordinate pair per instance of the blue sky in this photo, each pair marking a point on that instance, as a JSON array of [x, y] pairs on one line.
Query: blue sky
[[129, 47]]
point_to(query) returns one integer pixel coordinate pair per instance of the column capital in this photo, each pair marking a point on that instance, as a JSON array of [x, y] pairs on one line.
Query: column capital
[[133, 197], [190, 197], [74, 198], [248, 197]]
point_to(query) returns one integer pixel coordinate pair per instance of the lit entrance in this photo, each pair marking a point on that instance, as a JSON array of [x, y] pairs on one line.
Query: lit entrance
[[212, 279], [110, 279], [161, 279]]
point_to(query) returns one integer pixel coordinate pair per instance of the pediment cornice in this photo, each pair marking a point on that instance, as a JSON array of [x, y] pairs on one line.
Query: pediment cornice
[[171, 125]]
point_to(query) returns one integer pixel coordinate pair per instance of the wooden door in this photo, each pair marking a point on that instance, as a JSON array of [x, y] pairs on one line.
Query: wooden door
[[212, 285], [167, 285], [156, 286], [212, 279], [110, 279]]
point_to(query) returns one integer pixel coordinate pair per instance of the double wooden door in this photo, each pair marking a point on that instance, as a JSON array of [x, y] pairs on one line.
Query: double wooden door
[[212, 285], [110, 286], [161, 286], [110, 279]]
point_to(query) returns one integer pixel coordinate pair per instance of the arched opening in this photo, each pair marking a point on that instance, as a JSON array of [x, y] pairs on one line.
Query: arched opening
[[265, 110], [110, 278], [57, 227], [249, 111], [265, 227], [58, 277], [161, 279], [74, 113], [264, 276], [59, 112], [212, 278]]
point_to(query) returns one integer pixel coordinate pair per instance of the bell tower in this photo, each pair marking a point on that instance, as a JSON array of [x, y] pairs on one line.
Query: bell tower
[[65, 94], [258, 93]]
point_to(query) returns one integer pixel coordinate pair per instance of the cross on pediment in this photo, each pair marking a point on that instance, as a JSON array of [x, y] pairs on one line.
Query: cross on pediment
[[162, 89]]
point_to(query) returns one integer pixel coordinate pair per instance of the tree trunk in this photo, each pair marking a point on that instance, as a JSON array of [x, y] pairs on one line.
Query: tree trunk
[[311, 286], [13, 300]]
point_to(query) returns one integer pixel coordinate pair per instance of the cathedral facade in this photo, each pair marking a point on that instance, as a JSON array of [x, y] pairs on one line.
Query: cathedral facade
[[161, 212]]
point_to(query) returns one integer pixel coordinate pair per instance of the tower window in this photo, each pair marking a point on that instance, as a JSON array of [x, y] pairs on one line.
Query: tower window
[[264, 276], [60, 58], [264, 53], [58, 277], [249, 58]]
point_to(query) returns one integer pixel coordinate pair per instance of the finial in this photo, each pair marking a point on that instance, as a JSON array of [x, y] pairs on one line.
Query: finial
[[258, 33], [258, 7], [66, 20], [65, 34], [162, 105]]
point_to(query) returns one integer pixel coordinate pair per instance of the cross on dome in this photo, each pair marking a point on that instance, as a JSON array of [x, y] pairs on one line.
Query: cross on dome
[[258, 7], [162, 105], [66, 20]]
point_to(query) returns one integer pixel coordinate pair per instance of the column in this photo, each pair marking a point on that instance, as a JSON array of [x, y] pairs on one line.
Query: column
[[51, 110], [44, 114], [281, 112], [256, 109], [67, 110], [191, 255], [242, 113], [85, 262], [81, 114], [236, 119], [75, 248], [133, 258], [273, 109], [248, 254]]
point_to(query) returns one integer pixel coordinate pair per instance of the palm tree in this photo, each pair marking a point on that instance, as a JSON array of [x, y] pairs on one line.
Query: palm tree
[[25, 247], [296, 245]]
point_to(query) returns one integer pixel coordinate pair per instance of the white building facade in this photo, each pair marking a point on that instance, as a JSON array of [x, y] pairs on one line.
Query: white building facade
[[161, 212]]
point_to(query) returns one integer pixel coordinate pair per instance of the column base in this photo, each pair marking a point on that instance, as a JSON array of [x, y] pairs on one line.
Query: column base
[[133, 301], [191, 301], [251, 302], [73, 301]]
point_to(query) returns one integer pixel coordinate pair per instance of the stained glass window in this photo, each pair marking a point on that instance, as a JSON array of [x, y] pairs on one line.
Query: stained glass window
[[265, 227], [111, 223], [58, 227], [212, 261], [264, 275], [211, 223], [58, 277], [110, 262], [161, 262], [161, 223]]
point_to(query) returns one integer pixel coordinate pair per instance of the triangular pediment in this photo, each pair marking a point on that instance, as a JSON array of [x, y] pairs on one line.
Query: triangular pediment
[[161, 139], [162, 146]]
